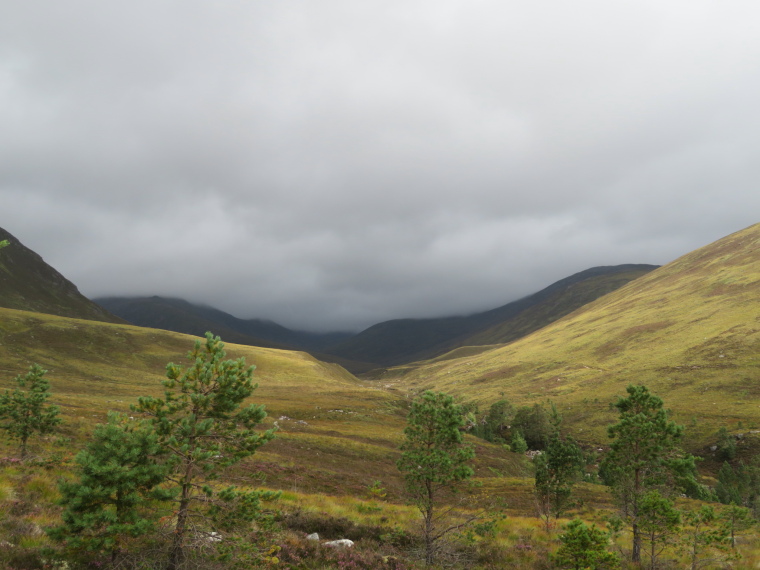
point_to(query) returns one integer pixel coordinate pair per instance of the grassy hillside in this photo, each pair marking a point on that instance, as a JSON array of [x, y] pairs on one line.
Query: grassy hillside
[[406, 340], [337, 434], [688, 330], [28, 283]]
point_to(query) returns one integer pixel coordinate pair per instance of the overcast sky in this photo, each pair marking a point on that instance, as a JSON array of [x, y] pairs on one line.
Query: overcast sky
[[332, 164]]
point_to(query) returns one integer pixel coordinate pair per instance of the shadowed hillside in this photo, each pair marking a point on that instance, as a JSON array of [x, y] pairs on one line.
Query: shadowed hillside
[[391, 342], [689, 331], [179, 315], [406, 340], [29, 284]]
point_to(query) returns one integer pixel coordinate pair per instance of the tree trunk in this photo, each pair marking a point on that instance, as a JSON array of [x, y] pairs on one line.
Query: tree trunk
[[177, 552], [429, 552], [636, 549], [636, 546]]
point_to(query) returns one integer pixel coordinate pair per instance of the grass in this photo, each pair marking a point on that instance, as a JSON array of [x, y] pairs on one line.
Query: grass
[[690, 331]]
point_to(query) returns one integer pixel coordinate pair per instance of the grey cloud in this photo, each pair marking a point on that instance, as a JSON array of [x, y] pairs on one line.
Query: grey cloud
[[334, 164]]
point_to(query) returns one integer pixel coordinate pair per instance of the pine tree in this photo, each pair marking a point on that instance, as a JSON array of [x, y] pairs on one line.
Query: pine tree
[[557, 469], [704, 533], [434, 461], [536, 425], [24, 413], [118, 473], [659, 521], [726, 446], [739, 486], [495, 423], [644, 456], [736, 519], [584, 548], [202, 425]]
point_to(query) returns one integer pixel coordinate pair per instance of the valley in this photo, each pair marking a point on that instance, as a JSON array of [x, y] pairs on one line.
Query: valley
[[689, 331]]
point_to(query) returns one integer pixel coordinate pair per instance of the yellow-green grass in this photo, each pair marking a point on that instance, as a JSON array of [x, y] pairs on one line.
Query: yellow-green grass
[[689, 331], [96, 367], [336, 433]]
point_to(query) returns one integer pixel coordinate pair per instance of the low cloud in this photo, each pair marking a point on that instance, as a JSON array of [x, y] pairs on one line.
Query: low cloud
[[330, 166]]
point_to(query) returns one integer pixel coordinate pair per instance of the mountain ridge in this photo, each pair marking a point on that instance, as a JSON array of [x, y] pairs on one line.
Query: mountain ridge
[[406, 340], [389, 342], [28, 283], [689, 330]]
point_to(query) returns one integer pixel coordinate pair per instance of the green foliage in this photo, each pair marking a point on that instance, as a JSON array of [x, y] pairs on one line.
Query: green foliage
[[557, 469], [659, 522], [584, 547], [735, 520], [739, 486], [643, 456], [24, 413], [494, 425], [118, 473], [726, 445], [4, 243], [434, 459], [536, 425], [202, 425], [704, 534], [517, 443]]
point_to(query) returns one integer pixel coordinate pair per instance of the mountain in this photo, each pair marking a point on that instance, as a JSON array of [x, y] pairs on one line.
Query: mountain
[[689, 330], [406, 340], [181, 316], [29, 284], [391, 342]]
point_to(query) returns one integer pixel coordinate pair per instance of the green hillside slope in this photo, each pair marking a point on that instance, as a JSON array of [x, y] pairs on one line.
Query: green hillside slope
[[688, 330], [336, 433], [30, 284], [406, 340]]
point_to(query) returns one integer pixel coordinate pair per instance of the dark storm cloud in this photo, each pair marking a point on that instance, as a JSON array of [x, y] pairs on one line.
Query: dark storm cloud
[[337, 163]]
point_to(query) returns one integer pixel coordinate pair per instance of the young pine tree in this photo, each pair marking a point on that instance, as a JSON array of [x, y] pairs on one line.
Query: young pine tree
[[557, 469], [584, 547], [203, 426], [25, 412], [434, 461], [118, 473], [705, 539], [644, 456], [659, 522]]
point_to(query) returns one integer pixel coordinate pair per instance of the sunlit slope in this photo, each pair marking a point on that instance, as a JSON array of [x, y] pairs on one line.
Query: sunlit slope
[[688, 330], [336, 434]]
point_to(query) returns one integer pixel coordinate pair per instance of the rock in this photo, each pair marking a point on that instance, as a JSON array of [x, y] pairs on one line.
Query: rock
[[342, 543], [713, 448], [312, 536]]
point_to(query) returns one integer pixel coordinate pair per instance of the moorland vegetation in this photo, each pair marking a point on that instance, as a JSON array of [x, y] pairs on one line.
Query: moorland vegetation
[[543, 457]]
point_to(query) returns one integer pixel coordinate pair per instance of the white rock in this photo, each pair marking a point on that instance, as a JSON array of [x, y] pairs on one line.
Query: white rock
[[342, 543], [312, 536]]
